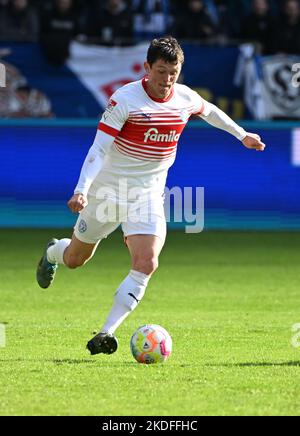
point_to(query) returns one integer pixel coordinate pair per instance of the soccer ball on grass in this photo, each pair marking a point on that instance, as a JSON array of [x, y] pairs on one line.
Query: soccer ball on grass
[[151, 343]]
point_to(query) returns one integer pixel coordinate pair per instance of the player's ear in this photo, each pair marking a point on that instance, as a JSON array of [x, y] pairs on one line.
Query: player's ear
[[147, 67]]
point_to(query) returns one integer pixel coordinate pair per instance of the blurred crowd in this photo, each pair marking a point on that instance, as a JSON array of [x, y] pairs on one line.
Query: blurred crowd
[[273, 24], [18, 99]]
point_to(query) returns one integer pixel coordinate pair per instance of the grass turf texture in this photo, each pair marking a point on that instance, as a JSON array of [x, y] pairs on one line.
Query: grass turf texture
[[229, 301]]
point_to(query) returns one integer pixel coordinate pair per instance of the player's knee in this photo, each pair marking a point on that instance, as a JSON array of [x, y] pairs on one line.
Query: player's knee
[[146, 265], [75, 261]]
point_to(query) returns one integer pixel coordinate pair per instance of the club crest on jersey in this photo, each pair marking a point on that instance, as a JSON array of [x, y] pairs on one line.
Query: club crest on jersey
[[154, 135], [82, 227]]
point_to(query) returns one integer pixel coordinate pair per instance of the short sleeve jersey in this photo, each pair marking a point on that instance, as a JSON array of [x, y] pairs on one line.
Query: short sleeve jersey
[[146, 132]]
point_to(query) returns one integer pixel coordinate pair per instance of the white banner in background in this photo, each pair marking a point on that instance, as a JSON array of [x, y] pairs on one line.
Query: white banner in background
[[2, 76], [103, 70], [282, 98], [274, 77], [253, 94]]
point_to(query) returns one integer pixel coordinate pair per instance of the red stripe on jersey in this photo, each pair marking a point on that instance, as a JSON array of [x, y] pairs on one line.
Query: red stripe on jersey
[[137, 157], [144, 156], [109, 130], [155, 114], [159, 147], [155, 118], [151, 149], [156, 122], [163, 112]]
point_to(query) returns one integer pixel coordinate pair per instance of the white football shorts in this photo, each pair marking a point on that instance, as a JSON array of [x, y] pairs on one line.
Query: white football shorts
[[102, 217]]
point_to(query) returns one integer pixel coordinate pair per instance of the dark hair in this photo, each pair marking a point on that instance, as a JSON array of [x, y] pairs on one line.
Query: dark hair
[[167, 49]]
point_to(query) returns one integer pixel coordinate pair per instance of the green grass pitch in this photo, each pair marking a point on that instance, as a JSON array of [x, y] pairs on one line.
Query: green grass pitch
[[229, 300]]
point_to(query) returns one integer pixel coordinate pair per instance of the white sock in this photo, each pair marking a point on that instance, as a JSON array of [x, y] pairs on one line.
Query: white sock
[[55, 254], [127, 297]]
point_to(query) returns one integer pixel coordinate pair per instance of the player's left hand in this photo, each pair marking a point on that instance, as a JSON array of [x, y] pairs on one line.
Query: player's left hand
[[253, 141]]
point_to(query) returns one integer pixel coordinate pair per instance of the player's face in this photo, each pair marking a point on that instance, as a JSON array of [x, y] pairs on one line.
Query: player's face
[[161, 77]]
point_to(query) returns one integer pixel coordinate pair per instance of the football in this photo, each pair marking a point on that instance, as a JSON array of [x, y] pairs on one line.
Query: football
[[151, 344]]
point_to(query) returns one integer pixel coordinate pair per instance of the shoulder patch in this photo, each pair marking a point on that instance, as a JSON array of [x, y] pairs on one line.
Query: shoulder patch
[[110, 107], [111, 104]]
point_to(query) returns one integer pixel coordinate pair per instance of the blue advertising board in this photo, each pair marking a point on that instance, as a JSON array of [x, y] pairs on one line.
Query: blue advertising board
[[243, 189]]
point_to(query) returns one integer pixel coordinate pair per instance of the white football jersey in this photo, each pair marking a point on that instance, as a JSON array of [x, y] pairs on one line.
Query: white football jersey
[[146, 132]]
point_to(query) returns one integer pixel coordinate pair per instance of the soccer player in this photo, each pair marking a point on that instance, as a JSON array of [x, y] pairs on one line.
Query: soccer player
[[135, 145]]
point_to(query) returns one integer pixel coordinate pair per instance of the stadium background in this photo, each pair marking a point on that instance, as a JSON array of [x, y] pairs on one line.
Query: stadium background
[[234, 288], [67, 82], [242, 190]]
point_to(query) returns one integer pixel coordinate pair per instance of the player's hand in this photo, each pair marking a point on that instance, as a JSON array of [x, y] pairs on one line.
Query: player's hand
[[254, 142], [77, 203]]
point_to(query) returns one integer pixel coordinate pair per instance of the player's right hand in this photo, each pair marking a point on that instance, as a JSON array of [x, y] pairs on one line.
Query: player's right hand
[[253, 141], [77, 203]]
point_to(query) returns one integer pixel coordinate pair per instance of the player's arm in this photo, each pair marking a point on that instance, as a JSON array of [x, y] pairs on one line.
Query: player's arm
[[91, 167], [109, 127], [217, 118]]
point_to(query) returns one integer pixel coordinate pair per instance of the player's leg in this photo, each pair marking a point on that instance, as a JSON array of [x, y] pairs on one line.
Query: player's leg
[[144, 250], [69, 252], [88, 232], [144, 229], [73, 255]]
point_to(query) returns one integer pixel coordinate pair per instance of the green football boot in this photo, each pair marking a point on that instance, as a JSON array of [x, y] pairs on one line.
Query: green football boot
[[46, 271], [103, 343]]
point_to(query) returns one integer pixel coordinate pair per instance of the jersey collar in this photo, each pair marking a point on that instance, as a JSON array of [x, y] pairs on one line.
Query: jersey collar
[[158, 100]]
